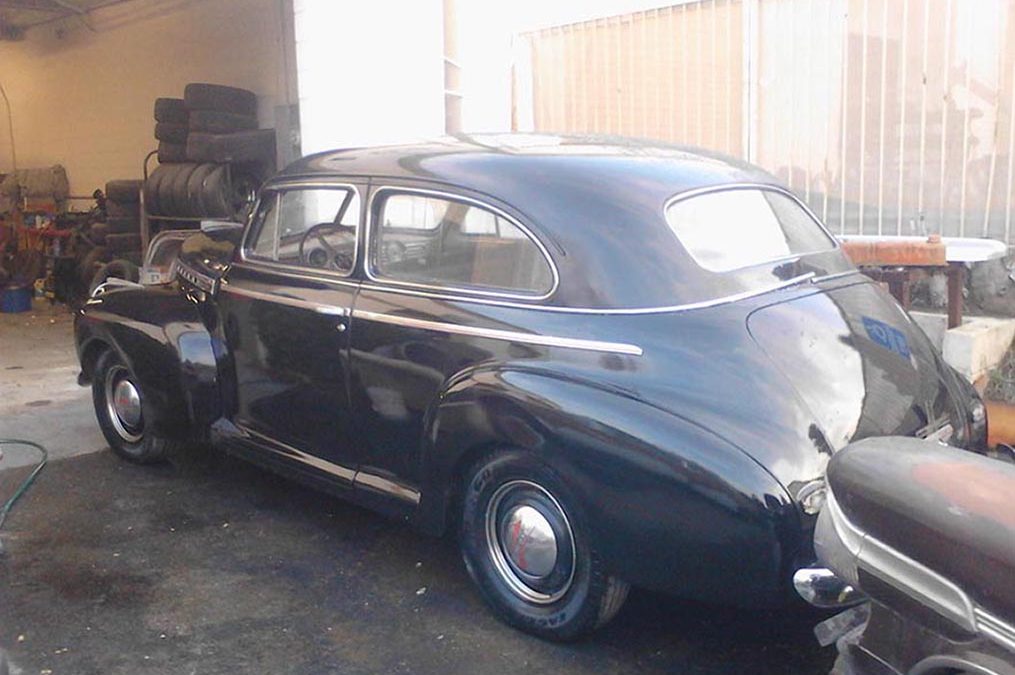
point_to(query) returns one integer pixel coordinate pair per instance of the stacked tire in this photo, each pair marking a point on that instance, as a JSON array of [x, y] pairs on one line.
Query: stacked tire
[[116, 242], [212, 156]]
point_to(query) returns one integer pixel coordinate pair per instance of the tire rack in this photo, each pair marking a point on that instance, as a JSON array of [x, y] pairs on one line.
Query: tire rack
[[146, 218]]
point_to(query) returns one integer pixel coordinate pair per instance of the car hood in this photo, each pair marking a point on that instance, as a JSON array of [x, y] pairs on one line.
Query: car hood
[[860, 364]]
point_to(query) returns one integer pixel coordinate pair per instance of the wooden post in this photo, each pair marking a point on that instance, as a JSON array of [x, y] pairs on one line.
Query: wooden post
[[956, 282]]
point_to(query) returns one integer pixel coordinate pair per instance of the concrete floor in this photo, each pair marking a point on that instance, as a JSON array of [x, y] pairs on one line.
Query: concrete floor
[[219, 567]]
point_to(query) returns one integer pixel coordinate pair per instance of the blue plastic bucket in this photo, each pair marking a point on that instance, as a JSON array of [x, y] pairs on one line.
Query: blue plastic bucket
[[16, 298]]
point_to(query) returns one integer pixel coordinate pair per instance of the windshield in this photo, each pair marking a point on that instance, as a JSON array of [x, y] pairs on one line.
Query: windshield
[[740, 227]]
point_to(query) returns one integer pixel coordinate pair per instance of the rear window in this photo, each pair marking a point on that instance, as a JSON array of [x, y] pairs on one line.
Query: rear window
[[735, 228]]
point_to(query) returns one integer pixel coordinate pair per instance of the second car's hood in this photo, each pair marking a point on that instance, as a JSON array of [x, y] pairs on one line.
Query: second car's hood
[[859, 363]]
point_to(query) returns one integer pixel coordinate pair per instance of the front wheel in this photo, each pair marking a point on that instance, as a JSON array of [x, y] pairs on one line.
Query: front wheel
[[119, 407], [526, 545]]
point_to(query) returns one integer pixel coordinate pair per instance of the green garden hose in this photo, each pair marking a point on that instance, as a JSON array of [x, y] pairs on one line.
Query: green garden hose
[[25, 484]]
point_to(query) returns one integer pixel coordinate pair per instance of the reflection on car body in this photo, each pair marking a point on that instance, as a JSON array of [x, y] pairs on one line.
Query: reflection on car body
[[606, 362]]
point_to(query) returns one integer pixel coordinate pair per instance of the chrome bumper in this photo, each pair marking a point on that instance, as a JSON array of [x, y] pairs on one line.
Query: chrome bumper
[[820, 587]]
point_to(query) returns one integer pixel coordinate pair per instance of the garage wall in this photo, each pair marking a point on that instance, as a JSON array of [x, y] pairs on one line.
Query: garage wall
[[82, 97], [672, 73], [372, 74]]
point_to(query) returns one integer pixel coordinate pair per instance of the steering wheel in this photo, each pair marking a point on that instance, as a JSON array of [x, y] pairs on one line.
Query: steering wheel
[[326, 255]]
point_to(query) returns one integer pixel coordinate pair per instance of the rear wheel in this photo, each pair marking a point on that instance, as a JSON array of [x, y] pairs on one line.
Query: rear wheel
[[119, 407], [526, 545]]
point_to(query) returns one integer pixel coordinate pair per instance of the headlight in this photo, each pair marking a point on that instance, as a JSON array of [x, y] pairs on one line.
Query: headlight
[[812, 496]]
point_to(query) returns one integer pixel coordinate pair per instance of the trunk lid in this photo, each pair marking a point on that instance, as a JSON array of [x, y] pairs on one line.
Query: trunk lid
[[859, 363]]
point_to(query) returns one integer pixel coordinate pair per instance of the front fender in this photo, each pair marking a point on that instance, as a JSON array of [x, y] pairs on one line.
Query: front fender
[[671, 505], [161, 335]]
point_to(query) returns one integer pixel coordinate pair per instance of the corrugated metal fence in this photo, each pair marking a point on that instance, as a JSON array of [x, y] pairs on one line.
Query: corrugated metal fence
[[887, 116]]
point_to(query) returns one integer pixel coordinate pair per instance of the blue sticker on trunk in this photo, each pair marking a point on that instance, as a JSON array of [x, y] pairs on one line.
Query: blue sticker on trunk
[[889, 337]]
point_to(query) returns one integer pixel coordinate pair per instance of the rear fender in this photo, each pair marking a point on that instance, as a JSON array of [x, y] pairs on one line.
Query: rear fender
[[162, 337], [671, 505]]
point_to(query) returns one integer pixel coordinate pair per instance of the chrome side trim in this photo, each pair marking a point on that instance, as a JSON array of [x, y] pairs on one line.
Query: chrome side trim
[[389, 487], [833, 277], [606, 311], [902, 572], [994, 628], [290, 301], [292, 273], [284, 185], [355, 478], [111, 282], [495, 334], [367, 265], [918, 581], [289, 452]]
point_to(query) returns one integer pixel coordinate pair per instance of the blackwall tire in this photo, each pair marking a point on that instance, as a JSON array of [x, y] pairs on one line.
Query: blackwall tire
[[171, 132], [97, 232], [514, 504], [201, 96], [153, 187], [228, 192], [115, 209], [178, 190], [130, 225], [123, 243], [243, 146], [89, 263], [171, 110], [196, 189], [117, 269], [122, 420], [172, 152], [167, 200], [219, 122], [124, 191]]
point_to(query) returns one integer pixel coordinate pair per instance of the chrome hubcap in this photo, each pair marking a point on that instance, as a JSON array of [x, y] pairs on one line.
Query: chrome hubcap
[[530, 542], [123, 404]]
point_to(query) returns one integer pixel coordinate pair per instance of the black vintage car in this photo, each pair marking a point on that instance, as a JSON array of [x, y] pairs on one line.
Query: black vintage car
[[604, 362]]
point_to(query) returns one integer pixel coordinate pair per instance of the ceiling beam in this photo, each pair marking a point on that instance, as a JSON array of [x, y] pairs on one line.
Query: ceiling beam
[[34, 5], [70, 6]]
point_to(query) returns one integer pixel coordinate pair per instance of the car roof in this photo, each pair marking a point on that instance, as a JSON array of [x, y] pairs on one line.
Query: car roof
[[596, 202]]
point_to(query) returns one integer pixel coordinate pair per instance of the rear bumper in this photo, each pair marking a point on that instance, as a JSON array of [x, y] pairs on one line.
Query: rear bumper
[[821, 587]]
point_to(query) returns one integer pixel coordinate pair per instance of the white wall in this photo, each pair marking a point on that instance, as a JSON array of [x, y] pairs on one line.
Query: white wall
[[83, 97], [370, 73]]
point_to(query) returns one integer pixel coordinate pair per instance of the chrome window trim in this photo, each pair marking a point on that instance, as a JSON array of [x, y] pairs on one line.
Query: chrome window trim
[[505, 335], [329, 310], [281, 270], [733, 187], [282, 186], [610, 311], [258, 266], [368, 263]]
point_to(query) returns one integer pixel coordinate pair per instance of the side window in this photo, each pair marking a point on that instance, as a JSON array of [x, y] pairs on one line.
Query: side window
[[311, 227], [443, 242], [265, 228]]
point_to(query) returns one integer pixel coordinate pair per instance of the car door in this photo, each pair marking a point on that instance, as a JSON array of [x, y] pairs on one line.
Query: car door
[[285, 307], [420, 317]]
